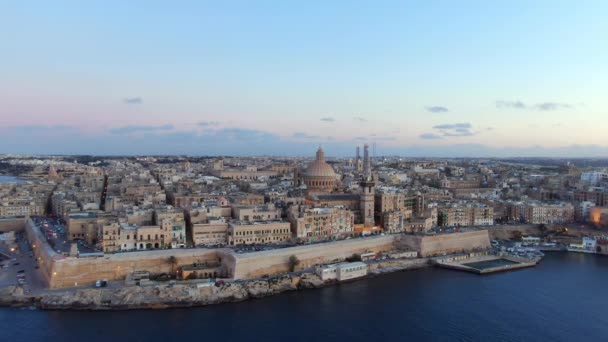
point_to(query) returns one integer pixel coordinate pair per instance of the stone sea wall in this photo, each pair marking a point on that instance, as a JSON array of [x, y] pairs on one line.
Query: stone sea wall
[[258, 264]]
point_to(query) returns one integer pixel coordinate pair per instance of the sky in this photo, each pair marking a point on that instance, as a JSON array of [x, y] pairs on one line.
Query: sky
[[417, 78]]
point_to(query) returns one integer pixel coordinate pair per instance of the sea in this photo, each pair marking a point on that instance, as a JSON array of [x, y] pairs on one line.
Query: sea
[[10, 179], [564, 298]]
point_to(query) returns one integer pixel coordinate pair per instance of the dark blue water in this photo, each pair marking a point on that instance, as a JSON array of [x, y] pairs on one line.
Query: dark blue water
[[10, 179], [563, 299]]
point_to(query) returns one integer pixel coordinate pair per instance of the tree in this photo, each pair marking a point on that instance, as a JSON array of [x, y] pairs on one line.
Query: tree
[[516, 235], [543, 229], [172, 260], [293, 262], [354, 257]]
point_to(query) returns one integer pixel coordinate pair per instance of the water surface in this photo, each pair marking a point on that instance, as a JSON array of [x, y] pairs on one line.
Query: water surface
[[562, 299]]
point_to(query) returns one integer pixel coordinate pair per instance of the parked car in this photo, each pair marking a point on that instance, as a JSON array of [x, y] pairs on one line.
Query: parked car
[[101, 283]]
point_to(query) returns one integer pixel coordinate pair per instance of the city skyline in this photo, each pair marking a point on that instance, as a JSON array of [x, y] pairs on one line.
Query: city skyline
[[417, 79]]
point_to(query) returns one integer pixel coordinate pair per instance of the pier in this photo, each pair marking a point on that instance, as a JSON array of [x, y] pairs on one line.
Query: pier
[[485, 264]]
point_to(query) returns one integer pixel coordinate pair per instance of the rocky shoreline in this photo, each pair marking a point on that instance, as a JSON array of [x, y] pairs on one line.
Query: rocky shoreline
[[179, 295], [160, 296]]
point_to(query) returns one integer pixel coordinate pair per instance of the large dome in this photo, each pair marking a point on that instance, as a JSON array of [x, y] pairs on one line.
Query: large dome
[[320, 176], [319, 168]]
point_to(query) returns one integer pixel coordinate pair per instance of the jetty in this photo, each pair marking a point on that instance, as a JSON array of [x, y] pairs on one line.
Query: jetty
[[481, 263]]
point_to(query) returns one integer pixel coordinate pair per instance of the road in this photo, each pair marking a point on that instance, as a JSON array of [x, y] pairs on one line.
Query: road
[[23, 259]]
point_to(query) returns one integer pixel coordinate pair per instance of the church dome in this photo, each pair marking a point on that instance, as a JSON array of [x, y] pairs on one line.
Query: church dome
[[319, 168], [319, 176]]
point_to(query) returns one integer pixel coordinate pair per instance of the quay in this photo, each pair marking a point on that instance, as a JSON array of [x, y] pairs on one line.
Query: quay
[[485, 263]]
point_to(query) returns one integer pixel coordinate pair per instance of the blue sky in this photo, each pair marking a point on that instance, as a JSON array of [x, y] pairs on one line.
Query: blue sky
[[437, 78]]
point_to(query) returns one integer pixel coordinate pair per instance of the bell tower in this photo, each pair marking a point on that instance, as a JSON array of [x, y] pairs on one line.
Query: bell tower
[[368, 191]]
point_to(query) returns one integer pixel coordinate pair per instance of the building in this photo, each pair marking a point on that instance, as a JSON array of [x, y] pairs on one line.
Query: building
[[267, 212], [121, 237], [530, 240], [86, 226], [389, 201], [542, 213], [251, 233], [319, 224], [583, 210], [21, 207], [599, 216], [342, 271], [319, 176], [594, 177], [598, 197], [213, 233], [368, 191], [396, 222], [465, 214], [247, 173]]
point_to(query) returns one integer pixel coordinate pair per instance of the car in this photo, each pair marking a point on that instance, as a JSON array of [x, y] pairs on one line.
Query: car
[[20, 271], [16, 264], [101, 283]]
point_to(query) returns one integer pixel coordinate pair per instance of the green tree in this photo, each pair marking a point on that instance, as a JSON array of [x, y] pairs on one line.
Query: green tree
[[172, 261], [354, 257], [293, 262], [543, 229], [516, 235]]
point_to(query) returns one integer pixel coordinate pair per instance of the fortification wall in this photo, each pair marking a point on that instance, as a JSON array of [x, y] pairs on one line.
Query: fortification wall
[[506, 232], [253, 265], [69, 271], [445, 243], [454, 243], [12, 224], [61, 271], [45, 255]]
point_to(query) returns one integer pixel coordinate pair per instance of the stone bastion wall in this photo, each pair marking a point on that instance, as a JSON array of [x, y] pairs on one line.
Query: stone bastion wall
[[257, 264], [12, 224], [61, 271], [445, 243]]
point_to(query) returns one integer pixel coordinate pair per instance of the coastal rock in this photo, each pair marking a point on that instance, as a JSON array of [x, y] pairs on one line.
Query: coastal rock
[[258, 288], [162, 296], [282, 284], [229, 292], [14, 296], [310, 281], [79, 299]]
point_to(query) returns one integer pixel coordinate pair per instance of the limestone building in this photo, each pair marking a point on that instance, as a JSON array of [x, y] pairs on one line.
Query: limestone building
[[249, 233], [319, 224]]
